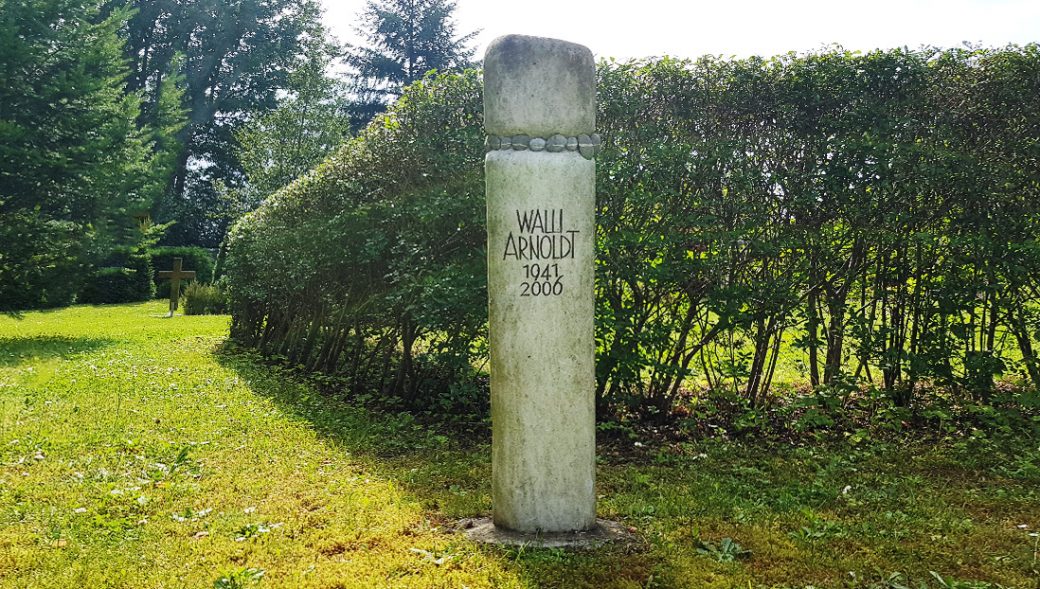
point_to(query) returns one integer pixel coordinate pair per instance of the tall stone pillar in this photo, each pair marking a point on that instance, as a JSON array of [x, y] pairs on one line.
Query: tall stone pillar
[[540, 116]]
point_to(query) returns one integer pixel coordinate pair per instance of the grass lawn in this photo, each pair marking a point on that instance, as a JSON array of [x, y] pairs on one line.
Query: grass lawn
[[135, 453]]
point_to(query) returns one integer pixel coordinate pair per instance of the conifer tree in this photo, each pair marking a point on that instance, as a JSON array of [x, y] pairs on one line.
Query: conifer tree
[[405, 39], [75, 167]]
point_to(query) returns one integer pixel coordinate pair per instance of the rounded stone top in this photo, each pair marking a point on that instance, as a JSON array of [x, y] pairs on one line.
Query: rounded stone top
[[539, 86]]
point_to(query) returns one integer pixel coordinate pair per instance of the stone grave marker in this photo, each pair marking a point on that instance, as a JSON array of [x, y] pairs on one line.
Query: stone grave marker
[[175, 276], [540, 116]]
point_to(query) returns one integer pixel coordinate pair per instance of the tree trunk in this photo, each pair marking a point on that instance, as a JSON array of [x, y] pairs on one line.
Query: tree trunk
[[814, 335], [1025, 345]]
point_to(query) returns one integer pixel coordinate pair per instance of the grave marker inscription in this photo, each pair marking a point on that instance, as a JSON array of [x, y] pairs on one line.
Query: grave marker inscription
[[539, 108]]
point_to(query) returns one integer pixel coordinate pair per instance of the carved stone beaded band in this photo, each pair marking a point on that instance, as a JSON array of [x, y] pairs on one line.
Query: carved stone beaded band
[[588, 146]]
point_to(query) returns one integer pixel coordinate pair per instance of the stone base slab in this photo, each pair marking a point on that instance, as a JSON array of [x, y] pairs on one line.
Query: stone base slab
[[483, 531]]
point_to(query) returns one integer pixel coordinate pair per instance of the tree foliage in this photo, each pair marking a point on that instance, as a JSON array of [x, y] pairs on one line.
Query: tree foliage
[[75, 167], [310, 121], [232, 57], [877, 213], [404, 39]]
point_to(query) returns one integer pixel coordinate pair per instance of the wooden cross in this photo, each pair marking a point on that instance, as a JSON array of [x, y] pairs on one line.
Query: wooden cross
[[175, 276]]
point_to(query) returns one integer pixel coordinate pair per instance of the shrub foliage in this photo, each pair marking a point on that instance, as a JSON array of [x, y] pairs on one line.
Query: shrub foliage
[[125, 277], [204, 299], [876, 212]]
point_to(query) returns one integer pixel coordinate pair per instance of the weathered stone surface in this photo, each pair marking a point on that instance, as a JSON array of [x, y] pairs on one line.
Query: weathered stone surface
[[585, 147], [556, 143], [541, 254], [603, 532], [538, 86], [542, 346]]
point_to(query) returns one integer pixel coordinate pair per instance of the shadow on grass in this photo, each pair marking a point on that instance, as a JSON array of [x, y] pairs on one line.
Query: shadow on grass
[[449, 478], [15, 351], [877, 509]]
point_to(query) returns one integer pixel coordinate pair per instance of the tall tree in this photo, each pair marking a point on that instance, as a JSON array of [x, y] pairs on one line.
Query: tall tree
[[235, 56], [404, 40], [281, 145], [74, 165]]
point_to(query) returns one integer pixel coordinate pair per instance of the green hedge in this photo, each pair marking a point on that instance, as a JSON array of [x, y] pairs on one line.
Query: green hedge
[[201, 260], [372, 266], [42, 261], [124, 277], [875, 217]]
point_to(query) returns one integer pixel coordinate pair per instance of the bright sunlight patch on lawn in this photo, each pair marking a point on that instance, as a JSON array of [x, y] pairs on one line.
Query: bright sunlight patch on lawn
[[132, 457]]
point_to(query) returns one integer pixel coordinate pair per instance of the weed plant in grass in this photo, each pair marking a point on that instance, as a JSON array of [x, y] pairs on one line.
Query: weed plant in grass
[[138, 451]]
